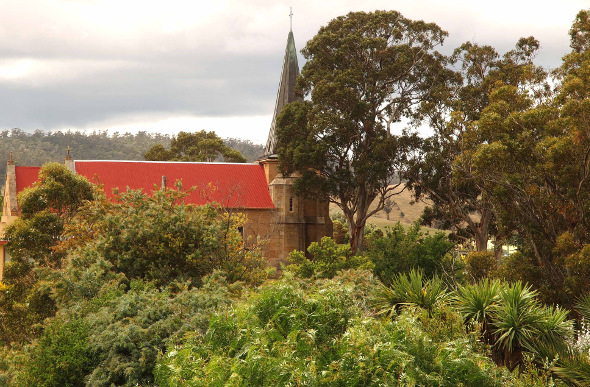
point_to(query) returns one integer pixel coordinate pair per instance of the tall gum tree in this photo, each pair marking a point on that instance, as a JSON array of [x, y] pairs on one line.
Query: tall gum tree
[[364, 73], [441, 172], [535, 165]]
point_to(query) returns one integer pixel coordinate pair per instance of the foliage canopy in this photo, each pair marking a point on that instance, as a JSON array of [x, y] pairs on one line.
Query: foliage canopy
[[197, 146], [364, 72]]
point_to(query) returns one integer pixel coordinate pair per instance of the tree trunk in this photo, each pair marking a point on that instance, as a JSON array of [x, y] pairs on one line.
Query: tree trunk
[[480, 230], [498, 253], [356, 227], [481, 242], [357, 235]]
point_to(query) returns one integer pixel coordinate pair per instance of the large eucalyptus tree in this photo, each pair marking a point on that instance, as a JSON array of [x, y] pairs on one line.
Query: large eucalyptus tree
[[364, 73]]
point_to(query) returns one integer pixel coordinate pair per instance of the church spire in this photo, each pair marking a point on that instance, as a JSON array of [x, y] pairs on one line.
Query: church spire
[[286, 93]]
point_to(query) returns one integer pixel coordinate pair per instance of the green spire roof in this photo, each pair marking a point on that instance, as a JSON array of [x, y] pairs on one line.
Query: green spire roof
[[286, 93]]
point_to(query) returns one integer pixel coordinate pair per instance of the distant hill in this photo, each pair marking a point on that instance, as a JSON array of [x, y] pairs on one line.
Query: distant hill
[[40, 147], [247, 148]]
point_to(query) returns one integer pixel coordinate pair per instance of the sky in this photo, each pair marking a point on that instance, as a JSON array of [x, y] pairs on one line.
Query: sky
[[166, 66]]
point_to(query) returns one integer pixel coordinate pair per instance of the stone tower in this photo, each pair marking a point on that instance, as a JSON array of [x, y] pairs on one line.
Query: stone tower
[[299, 221]]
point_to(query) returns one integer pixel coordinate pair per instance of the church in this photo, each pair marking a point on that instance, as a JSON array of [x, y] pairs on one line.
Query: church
[[277, 219]]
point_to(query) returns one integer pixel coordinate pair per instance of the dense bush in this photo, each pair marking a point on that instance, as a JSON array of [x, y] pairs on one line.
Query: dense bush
[[63, 356], [115, 337], [327, 258], [315, 333], [340, 231], [400, 251], [480, 264], [159, 238]]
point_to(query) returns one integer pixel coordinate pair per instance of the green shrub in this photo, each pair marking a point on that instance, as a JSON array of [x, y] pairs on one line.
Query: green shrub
[[480, 264], [115, 336], [303, 332], [400, 251], [267, 341], [159, 238], [62, 358], [340, 232], [518, 267], [327, 258]]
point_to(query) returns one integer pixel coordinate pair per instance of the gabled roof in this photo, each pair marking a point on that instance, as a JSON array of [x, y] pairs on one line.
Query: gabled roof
[[231, 185], [286, 93], [25, 177]]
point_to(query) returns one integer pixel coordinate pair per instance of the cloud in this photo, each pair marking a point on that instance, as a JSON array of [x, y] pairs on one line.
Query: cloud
[[77, 63]]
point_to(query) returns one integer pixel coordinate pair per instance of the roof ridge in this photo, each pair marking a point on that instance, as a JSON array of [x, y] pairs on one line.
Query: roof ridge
[[162, 162]]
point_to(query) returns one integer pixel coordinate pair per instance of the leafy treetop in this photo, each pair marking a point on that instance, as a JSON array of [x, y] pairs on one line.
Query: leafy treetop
[[364, 72], [198, 146]]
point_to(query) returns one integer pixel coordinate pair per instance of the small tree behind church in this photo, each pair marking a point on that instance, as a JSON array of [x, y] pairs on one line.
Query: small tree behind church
[[197, 146], [388, 207]]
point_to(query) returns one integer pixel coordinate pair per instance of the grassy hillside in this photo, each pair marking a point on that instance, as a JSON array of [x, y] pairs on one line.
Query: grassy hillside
[[406, 211]]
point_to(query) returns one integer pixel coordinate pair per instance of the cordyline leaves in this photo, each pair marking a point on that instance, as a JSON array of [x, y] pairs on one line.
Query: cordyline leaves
[[512, 320], [411, 289]]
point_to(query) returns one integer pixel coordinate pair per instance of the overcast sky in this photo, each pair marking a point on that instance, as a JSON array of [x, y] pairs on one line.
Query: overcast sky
[[164, 66]]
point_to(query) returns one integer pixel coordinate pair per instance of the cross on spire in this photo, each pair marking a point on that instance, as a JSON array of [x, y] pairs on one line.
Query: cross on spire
[[291, 17]]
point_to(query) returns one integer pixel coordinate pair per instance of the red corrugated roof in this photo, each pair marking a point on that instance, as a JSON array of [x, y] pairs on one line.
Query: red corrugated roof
[[25, 177], [234, 185]]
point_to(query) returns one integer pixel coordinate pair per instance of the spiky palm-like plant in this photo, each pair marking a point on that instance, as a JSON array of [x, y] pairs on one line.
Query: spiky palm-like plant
[[583, 306], [521, 323], [574, 370], [476, 304], [567, 362], [572, 364], [412, 289]]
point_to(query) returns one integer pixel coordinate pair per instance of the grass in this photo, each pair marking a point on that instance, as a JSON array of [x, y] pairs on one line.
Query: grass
[[383, 223]]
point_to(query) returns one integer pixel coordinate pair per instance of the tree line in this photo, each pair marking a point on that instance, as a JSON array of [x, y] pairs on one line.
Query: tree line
[[39, 147]]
